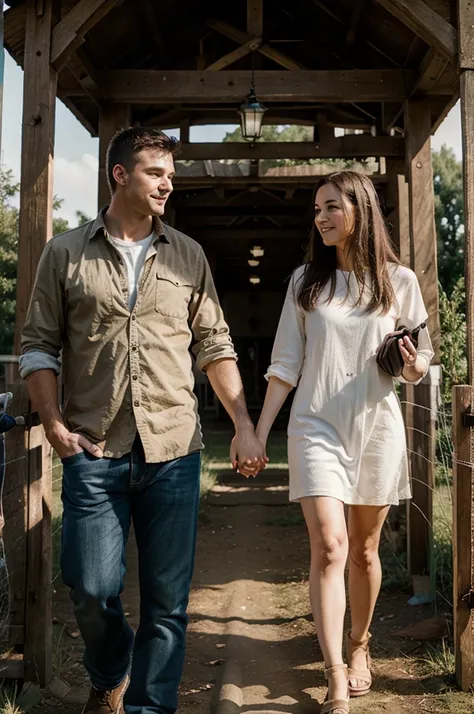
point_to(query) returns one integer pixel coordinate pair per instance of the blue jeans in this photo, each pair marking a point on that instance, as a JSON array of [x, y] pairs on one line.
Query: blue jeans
[[100, 499]]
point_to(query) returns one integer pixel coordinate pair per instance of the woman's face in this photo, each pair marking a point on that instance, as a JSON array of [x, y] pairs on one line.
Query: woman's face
[[334, 216]]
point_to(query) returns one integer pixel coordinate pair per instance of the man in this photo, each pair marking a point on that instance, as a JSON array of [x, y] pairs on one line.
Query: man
[[123, 297]]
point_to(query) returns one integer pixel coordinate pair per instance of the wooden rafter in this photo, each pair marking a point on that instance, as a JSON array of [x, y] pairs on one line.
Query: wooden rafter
[[255, 17], [176, 86], [233, 33], [153, 25], [84, 73], [344, 146], [229, 59], [69, 33], [354, 23], [425, 22]]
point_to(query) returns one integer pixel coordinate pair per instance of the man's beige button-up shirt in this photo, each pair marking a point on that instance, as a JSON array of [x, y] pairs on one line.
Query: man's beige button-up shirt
[[126, 370]]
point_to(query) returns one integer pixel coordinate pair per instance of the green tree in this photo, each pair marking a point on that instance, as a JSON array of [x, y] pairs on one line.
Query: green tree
[[449, 216], [8, 260], [454, 330], [292, 133], [60, 225], [9, 253]]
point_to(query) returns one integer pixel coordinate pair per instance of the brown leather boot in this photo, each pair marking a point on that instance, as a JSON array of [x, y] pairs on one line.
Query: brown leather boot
[[106, 701]]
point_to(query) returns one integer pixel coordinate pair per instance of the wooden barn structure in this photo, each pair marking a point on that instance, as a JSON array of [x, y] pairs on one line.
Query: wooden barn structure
[[385, 71]]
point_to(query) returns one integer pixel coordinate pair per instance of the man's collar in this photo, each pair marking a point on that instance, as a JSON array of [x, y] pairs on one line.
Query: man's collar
[[98, 226]]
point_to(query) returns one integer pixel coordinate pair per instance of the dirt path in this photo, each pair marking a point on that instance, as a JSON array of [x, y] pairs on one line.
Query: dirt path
[[251, 639]]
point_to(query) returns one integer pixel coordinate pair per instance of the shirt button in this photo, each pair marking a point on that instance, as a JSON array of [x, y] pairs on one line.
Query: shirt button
[[134, 317], [136, 403], [134, 348], [135, 377], [108, 454]]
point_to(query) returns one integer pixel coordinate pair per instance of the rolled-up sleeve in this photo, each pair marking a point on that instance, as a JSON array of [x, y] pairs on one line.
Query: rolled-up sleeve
[[206, 319], [290, 341], [41, 338], [412, 314]]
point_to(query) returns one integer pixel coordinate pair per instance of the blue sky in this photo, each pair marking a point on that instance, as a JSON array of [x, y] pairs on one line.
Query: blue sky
[[76, 153]]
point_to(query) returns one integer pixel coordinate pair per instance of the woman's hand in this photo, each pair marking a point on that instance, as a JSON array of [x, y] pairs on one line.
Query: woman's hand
[[247, 454], [414, 364]]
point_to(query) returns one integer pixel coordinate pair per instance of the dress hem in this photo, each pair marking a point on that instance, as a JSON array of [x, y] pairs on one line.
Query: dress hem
[[348, 501]]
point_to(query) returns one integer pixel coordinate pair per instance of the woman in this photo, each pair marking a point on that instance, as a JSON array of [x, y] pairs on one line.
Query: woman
[[346, 438]]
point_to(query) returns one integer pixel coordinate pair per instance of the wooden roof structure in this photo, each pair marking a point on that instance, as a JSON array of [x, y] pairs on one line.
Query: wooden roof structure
[[356, 62], [319, 63], [385, 71]]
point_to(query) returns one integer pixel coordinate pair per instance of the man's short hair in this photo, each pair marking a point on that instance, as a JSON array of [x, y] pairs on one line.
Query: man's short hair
[[127, 143]]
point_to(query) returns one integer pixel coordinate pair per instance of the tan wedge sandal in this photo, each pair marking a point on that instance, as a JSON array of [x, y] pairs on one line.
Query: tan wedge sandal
[[335, 706], [363, 675]]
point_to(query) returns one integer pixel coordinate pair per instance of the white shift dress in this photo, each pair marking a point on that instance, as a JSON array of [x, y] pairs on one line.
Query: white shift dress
[[346, 436]]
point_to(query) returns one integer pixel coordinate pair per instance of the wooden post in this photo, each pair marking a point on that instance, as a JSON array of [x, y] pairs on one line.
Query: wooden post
[[423, 260], [463, 396], [36, 202], [112, 118], [463, 543], [397, 200]]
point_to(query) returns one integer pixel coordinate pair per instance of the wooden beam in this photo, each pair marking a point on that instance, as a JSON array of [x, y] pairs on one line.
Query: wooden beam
[[154, 29], [112, 118], [430, 72], [270, 235], [424, 22], [255, 17], [158, 87], [465, 34], [354, 23], [69, 33], [184, 130], [237, 35], [35, 229], [397, 208], [231, 57], [362, 145], [270, 181], [83, 71]]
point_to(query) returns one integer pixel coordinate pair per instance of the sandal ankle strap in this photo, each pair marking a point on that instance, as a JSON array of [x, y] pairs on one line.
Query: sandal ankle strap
[[329, 671], [358, 643]]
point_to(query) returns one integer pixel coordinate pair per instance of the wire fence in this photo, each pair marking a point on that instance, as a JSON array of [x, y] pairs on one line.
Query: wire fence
[[440, 524]]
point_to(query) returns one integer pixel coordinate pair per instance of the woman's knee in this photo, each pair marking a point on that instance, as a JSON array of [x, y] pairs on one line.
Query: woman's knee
[[329, 550], [364, 554]]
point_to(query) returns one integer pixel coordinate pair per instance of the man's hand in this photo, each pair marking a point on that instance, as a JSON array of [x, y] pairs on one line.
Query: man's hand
[[247, 453], [67, 443]]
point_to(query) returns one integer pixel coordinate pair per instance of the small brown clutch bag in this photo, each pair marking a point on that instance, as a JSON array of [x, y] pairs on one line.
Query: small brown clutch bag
[[389, 357]]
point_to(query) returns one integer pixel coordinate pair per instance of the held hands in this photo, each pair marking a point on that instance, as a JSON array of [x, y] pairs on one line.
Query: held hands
[[67, 443], [247, 453]]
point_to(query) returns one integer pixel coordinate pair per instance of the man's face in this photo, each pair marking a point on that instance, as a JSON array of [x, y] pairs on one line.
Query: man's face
[[149, 183]]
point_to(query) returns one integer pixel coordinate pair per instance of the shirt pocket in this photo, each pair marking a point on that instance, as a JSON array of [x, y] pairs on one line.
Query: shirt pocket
[[173, 294]]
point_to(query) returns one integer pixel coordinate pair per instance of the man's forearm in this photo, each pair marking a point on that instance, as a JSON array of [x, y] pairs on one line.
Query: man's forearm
[[43, 390], [225, 380]]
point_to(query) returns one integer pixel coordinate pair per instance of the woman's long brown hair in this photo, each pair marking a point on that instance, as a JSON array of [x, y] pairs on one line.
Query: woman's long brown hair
[[371, 248]]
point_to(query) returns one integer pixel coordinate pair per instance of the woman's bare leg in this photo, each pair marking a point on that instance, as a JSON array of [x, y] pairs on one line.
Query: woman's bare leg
[[365, 572], [329, 546]]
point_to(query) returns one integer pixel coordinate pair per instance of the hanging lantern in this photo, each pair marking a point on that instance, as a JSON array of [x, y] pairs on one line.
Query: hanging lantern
[[251, 116]]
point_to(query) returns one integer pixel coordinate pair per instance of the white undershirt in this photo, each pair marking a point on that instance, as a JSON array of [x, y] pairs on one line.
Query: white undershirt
[[134, 254]]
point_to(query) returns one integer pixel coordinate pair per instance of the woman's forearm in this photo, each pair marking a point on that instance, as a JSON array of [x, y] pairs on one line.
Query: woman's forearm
[[277, 392]]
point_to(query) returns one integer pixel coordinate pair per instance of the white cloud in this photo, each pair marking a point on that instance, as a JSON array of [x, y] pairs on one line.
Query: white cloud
[[76, 183], [450, 132]]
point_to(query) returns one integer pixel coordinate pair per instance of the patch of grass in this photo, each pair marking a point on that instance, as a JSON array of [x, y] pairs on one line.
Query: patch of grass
[[443, 542], [8, 698], [439, 660]]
